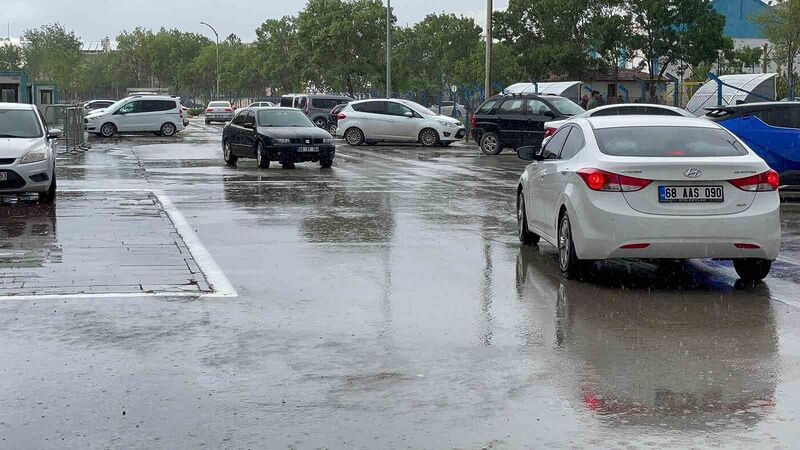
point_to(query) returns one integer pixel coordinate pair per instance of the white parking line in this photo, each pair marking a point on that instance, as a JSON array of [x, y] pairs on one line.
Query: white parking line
[[219, 283]]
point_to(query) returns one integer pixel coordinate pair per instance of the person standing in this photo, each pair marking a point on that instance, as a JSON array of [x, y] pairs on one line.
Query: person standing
[[584, 101], [593, 102]]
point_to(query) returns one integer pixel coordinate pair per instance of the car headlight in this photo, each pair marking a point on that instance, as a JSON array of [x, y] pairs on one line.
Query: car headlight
[[281, 141], [328, 141], [447, 124], [34, 156]]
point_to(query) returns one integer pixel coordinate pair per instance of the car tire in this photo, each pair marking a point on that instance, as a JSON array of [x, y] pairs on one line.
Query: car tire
[[208, 122], [168, 129], [445, 144], [288, 166], [332, 129], [326, 163], [227, 154], [49, 196], [429, 137], [490, 144], [571, 266], [752, 269], [262, 159], [525, 235], [321, 123], [354, 137], [108, 130]]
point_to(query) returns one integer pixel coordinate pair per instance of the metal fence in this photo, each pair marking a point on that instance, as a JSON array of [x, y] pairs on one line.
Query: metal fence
[[69, 119]]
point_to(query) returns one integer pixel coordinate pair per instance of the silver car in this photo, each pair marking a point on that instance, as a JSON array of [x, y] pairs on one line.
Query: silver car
[[27, 158], [219, 111]]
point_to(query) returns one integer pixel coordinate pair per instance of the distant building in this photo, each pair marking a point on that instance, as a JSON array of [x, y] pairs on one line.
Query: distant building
[[739, 23]]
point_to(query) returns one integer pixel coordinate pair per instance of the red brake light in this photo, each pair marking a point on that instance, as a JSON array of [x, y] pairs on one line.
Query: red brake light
[[600, 180], [341, 116], [635, 246], [472, 122], [764, 182], [228, 110], [210, 110], [746, 246], [549, 132]]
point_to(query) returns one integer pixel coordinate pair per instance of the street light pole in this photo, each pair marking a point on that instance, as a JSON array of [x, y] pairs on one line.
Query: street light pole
[[388, 48], [488, 84], [217, 46]]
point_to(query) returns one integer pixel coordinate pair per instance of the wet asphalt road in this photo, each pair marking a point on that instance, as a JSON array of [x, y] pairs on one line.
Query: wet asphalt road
[[385, 303]]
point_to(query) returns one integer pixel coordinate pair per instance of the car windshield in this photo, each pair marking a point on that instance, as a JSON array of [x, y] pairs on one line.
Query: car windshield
[[669, 142], [283, 118], [219, 105], [19, 123], [418, 108], [565, 106]]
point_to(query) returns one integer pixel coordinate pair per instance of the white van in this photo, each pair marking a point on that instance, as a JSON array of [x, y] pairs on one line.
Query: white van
[[159, 114]]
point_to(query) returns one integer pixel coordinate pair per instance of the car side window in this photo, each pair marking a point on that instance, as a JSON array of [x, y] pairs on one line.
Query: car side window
[[512, 106], [396, 109], [555, 143], [239, 119], [486, 107], [537, 107], [374, 107], [286, 102], [168, 105], [301, 102], [131, 107], [250, 119], [782, 117], [573, 144]]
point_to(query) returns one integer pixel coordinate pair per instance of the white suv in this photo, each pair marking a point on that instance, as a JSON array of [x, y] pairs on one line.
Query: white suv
[[157, 114], [396, 120]]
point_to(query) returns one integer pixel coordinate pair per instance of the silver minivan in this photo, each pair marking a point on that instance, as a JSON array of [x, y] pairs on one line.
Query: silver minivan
[[159, 114], [317, 107]]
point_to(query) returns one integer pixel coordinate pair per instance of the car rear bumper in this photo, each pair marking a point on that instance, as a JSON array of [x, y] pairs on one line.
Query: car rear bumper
[[601, 230], [214, 117], [25, 178]]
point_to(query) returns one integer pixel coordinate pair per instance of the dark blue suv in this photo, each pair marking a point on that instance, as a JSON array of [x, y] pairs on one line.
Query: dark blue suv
[[771, 129]]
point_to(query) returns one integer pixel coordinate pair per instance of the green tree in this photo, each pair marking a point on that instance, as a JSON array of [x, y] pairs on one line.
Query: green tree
[[781, 25], [550, 36], [278, 55], [52, 54], [609, 34], [343, 44], [10, 57], [674, 30]]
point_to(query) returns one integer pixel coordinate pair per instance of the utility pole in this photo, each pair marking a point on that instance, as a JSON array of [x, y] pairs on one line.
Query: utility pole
[[488, 86], [388, 48], [217, 46]]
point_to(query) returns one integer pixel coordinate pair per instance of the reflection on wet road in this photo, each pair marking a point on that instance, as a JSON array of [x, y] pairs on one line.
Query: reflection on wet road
[[385, 303]]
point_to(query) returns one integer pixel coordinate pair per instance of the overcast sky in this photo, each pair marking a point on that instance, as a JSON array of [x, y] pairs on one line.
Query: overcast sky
[[94, 19]]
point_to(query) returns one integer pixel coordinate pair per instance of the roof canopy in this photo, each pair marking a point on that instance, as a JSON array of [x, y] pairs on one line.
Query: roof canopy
[[545, 87], [762, 84]]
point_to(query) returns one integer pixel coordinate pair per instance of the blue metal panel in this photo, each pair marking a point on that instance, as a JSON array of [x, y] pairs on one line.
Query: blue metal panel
[[738, 14]]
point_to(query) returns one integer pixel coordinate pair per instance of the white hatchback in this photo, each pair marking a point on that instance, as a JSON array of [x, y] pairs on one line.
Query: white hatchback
[[159, 114], [650, 187], [396, 120]]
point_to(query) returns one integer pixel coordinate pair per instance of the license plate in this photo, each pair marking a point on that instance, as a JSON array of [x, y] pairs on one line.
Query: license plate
[[3, 176], [691, 194], [308, 149]]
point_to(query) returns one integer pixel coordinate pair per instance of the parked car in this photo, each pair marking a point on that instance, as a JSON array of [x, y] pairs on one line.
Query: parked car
[[771, 129], [316, 106], [396, 120], [447, 109], [185, 111], [622, 109], [93, 105], [219, 111], [513, 121], [159, 114], [333, 118], [27, 158], [261, 105], [278, 134], [653, 187]]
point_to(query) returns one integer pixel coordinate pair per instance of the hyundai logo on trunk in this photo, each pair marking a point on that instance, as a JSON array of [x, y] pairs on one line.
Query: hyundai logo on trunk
[[692, 173]]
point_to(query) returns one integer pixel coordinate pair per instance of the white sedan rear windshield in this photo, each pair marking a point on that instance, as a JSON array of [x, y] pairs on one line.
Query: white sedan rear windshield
[[667, 142], [219, 104]]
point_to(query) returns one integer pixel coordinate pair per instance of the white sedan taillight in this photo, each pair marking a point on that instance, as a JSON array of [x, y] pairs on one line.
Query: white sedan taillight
[[600, 180], [763, 182]]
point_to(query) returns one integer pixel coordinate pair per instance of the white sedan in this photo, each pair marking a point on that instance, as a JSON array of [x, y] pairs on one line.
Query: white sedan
[[650, 187], [27, 158], [398, 121]]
